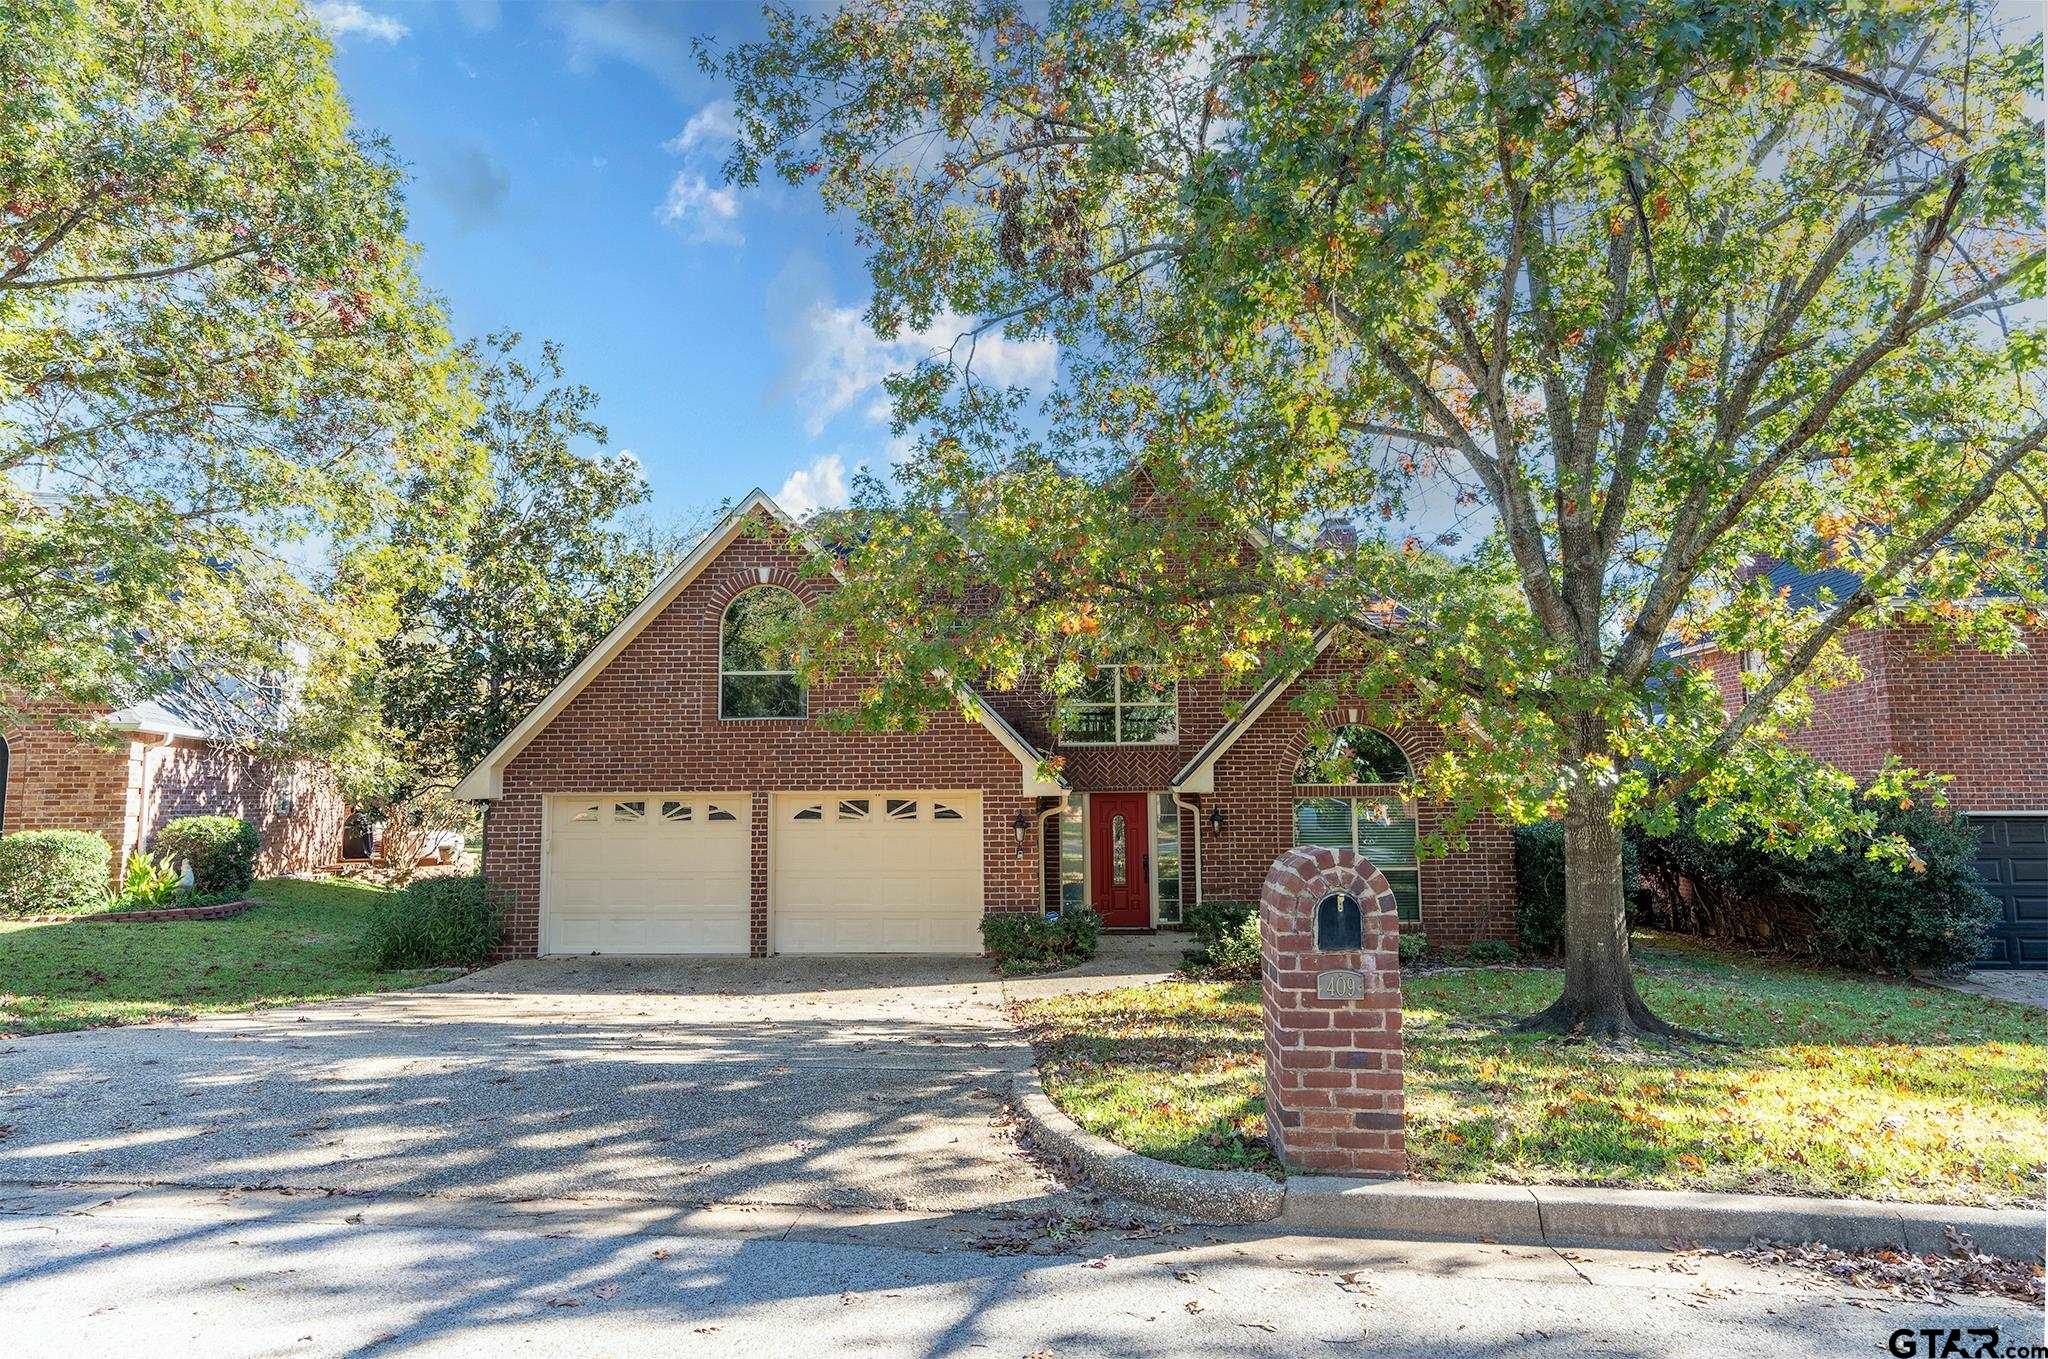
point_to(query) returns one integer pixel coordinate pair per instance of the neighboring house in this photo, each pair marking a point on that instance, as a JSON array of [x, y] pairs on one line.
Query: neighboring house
[[1981, 719], [153, 766], [676, 794]]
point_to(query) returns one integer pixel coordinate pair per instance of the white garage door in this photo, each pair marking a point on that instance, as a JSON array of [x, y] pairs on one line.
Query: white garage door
[[887, 872], [653, 873]]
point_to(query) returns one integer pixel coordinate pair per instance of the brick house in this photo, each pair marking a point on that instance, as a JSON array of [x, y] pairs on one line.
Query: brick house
[[149, 766], [1979, 718], [677, 794]]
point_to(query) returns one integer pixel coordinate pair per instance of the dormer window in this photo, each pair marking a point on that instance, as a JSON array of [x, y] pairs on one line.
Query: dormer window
[[757, 675], [1122, 705]]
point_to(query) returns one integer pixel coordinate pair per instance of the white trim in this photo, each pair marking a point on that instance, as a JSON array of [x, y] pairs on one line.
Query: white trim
[[1199, 774], [486, 782]]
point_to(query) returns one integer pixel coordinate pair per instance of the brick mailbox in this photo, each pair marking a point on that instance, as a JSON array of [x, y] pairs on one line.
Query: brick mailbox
[[1331, 996]]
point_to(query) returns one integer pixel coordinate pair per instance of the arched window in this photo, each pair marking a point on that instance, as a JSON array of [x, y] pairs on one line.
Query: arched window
[[1380, 828], [757, 674], [1353, 755]]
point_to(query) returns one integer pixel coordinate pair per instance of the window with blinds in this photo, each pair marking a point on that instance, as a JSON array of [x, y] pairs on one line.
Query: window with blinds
[[1383, 831]]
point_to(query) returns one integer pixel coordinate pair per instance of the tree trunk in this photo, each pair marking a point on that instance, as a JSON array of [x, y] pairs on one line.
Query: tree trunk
[[1599, 1000]]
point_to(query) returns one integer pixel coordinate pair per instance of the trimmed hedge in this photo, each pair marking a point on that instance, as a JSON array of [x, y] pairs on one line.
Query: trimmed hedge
[[1838, 907], [1539, 886], [1022, 942], [220, 851], [436, 922], [53, 872]]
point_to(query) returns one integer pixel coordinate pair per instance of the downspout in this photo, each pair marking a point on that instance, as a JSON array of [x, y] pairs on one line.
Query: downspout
[[1194, 812], [1058, 806]]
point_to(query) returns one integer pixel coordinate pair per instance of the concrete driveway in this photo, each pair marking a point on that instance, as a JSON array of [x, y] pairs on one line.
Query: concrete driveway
[[833, 1083]]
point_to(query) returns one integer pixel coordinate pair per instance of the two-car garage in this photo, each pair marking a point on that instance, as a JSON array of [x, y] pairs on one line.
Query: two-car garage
[[885, 871]]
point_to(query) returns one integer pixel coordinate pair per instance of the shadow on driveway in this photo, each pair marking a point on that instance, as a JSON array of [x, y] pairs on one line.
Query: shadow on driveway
[[863, 1083]]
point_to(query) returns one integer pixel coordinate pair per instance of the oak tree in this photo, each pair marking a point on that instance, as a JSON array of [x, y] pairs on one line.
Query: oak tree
[[1576, 309], [222, 386]]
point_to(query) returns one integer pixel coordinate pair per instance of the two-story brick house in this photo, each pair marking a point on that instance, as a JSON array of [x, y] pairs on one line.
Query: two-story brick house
[[677, 794], [1979, 718]]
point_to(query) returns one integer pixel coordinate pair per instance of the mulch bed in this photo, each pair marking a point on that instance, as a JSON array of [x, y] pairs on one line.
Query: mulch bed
[[219, 910]]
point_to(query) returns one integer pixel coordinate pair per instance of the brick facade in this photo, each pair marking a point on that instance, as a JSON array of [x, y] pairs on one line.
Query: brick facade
[[296, 808], [1468, 895], [124, 788], [649, 721], [58, 781], [1978, 717]]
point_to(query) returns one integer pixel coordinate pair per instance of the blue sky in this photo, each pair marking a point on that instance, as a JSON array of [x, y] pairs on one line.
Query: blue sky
[[565, 184]]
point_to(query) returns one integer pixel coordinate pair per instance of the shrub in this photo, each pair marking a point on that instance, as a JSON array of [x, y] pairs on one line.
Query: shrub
[[1214, 925], [436, 922], [53, 872], [1235, 955], [1539, 886], [220, 851], [1414, 943], [1210, 921], [1488, 952], [1020, 942], [149, 883], [1838, 907]]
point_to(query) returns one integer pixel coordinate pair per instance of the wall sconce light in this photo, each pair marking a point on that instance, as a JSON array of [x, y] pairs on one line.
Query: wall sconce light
[[1022, 825], [1216, 821]]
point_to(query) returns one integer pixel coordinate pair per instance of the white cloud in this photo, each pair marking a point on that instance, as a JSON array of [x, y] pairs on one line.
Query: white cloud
[[655, 38], [838, 362], [710, 127], [820, 486], [701, 210], [343, 17], [699, 203]]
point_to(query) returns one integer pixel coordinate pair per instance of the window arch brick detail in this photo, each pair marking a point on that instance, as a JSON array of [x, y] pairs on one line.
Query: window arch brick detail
[[1467, 895]]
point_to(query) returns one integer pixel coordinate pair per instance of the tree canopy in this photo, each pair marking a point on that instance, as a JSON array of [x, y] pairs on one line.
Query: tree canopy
[[1577, 310], [546, 570], [223, 389]]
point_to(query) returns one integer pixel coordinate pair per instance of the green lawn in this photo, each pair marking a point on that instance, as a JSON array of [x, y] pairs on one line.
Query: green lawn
[[1838, 1086], [305, 942]]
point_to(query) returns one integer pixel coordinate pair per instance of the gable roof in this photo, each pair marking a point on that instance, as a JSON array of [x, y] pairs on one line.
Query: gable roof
[[1198, 775], [486, 782]]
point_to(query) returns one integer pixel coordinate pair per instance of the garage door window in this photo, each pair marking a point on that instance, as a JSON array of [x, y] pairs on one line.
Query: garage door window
[[757, 674]]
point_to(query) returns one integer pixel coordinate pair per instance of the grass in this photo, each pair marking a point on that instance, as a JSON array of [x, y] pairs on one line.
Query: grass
[[305, 942], [1838, 1085]]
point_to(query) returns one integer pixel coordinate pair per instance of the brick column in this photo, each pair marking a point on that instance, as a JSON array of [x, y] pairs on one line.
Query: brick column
[[757, 877], [1331, 997]]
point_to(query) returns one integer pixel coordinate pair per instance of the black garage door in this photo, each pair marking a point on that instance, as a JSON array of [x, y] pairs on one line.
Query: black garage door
[[2013, 858]]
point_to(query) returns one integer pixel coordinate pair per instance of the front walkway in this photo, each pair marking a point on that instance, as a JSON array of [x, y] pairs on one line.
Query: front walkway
[[2018, 985]]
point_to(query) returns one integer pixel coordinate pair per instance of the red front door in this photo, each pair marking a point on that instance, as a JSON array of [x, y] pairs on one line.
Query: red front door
[[1120, 850]]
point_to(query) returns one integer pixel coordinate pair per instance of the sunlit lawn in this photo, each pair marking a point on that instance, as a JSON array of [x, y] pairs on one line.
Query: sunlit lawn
[[306, 942], [1837, 1086]]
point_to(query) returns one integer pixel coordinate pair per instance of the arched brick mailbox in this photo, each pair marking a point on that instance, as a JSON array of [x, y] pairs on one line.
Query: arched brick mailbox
[[1331, 996]]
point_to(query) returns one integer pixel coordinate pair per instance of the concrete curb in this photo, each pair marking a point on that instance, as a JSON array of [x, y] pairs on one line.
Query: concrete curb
[[1510, 1214], [1580, 1215], [1213, 1196]]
